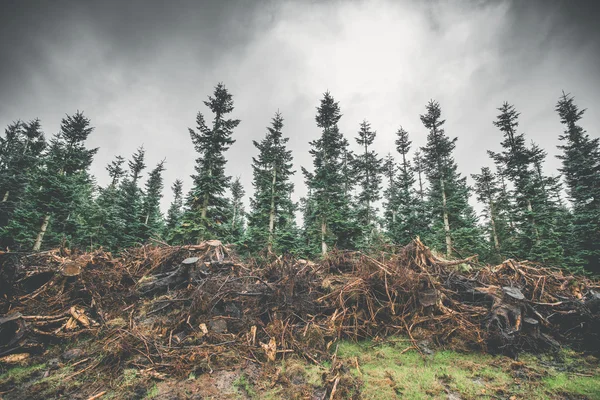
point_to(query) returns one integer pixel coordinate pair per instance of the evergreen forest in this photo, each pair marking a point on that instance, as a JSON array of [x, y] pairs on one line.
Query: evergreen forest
[[356, 199]]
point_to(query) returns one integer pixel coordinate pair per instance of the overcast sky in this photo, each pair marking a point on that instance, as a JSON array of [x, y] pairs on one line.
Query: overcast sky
[[140, 71]]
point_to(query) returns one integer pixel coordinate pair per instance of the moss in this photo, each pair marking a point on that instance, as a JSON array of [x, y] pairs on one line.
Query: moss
[[152, 393], [243, 384], [17, 375]]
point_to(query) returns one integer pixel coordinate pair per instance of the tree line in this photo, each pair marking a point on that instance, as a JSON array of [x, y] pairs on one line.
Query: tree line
[[50, 199]]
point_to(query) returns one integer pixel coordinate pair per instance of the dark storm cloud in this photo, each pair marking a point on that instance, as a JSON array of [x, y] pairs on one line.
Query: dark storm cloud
[[141, 69]]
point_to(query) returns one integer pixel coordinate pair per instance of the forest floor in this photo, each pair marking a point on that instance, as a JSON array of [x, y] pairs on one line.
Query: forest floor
[[199, 322], [384, 370]]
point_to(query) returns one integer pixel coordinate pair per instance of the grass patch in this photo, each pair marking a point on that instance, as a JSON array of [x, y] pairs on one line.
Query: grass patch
[[389, 371], [153, 392], [244, 385], [17, 375]]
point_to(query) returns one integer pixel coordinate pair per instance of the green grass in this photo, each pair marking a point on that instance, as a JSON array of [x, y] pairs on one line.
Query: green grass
[[18, 375], [388, 372], [244, 386]]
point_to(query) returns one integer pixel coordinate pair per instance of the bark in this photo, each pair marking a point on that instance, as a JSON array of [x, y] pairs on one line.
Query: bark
[[530, 209], [5, 196], [446, 221], [493, 222], [38, 241], [323, 232], [205, 200], [235, 207], [272, 210]]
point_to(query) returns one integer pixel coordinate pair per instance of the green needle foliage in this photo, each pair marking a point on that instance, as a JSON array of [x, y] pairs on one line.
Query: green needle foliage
[[454, 224], [581, 172], [368, 171], [327, 213], [271, 222], [205, 216]]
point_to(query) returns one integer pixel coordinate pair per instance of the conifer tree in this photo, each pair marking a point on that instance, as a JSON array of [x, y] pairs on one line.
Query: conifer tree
[[390, 194], [423, 226], [132, 200], [581, 172], [488, 193], [175, 212], [367, 167], [448, 193], [410, 223], [236, 229], [153, 220], [205, 216], [272, 211], [53, 200], [532, 214], [551, 218], [20, 154], [106, 223], [329, 218]]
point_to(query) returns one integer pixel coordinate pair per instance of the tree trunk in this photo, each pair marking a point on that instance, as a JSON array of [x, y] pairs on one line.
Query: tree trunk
[[272, 211], [493, 222], [235, 207], [323, 232], [205, 200], [5, 196], [38, 241], [446, 221], [530, 209]]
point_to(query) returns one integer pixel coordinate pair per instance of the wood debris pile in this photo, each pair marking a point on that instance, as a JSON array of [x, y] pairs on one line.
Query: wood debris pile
[[197, 308]]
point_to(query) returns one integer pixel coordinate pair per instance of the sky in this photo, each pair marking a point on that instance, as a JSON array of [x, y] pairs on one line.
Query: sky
[[140, 70]]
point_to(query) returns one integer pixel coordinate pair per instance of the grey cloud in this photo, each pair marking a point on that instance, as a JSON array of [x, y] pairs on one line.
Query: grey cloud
[[141, 69]]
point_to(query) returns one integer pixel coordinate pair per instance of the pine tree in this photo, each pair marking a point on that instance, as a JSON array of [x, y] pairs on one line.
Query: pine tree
[[448, 193], [532, 212], [236, 229], [153, 220], [547, 203], [272, 214], [329, 217], [131, 202], [390, 194], [53, 200], [175, 212], [488, 193], [20, 154], [581, 172], [410, 223], [367, 167], [207, 205], [106, 224]]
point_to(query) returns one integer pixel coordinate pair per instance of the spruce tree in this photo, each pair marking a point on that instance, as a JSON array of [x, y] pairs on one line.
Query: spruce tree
[[206, 205], [533, 213], [410, 223], [488, 193], [581, 173], [153, 219], [448, 193], [367, 167], [131, 199], [272, 210], [237, 213], [107, 223], [20, 154], [390, 194], [329, 221], [52, 204], [175, 212]]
